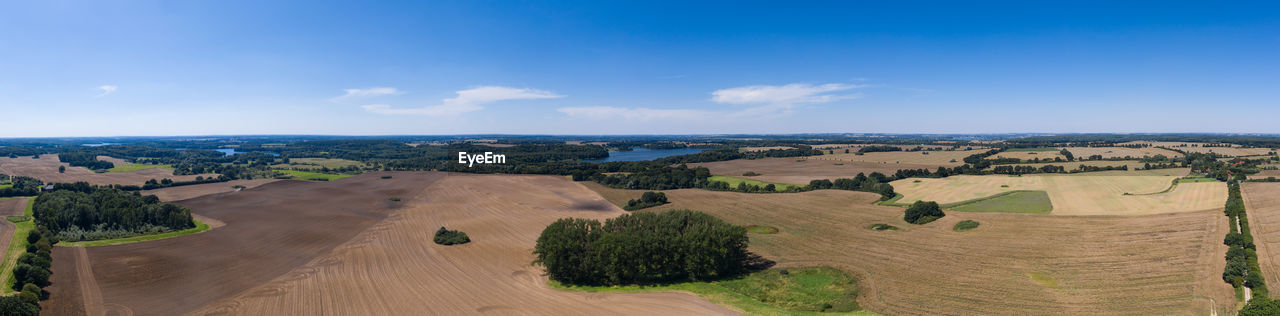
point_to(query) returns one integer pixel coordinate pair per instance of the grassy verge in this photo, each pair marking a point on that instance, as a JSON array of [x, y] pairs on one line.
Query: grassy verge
[[802, 291], [136, 167], [17, 246], [308, 175], [5, 186], [892, 201], [200, 227], [1021, 201], [733, 182]]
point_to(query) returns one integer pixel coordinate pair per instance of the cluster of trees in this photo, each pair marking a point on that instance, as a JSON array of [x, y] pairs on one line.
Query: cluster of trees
[[1242, 259], [642, 248], [878, 148], [875, 183], [76, 212], [31, 275], [647, 200], [657, 177], [166, 182], [922, 212], [450, 237], [84, 159], [21, 186]]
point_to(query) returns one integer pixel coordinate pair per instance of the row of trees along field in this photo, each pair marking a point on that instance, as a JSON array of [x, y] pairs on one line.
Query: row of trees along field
[[20, 186], [642, 248], [31, 275], [79, 211]]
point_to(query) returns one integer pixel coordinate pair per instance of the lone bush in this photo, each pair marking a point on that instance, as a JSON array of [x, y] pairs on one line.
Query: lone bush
[[750, 174], [451, 237], [647, 200], [922, 212], [965, 225]]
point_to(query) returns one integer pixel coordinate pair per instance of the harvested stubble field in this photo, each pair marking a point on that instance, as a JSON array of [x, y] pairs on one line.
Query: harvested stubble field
[[1262, 204], [1121, 152], [1196, 147], [341, 248], [46, 169], [941, 158], [1016, 264], [1074, 195], [1073, 165], [179, 193], [1265, 173], [1030, 155], [801, 171]]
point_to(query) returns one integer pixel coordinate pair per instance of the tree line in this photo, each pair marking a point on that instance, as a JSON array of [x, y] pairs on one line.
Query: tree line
[[31, 274], [79, 211], [642, 248]]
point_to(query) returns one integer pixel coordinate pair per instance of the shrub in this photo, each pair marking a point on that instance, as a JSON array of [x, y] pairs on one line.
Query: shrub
[[750, 174], [642, 248], [16, 306], [882, 227], [647, 200], [386, 177], [394, 199], [451, 237], [922, 212], [965, 225]]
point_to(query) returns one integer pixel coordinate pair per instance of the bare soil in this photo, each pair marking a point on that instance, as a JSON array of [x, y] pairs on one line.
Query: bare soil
[[192, 191]]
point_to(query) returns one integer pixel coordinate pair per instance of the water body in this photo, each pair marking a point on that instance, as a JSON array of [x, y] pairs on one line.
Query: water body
[[99, 144], [644, 154], [232, 151]]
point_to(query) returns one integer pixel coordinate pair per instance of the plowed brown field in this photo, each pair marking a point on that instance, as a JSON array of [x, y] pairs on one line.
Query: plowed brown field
[[46, 169], [341, 248], [801, 171], [192, 191], [1014, 264]]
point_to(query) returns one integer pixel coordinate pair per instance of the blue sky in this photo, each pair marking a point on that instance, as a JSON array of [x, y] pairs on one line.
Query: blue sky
[[123, 68]]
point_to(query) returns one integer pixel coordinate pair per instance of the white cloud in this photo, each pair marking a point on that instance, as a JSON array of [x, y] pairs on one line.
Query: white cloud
[[467, 101], [106, 89], [367, 92], [600, 112], [775, 99]]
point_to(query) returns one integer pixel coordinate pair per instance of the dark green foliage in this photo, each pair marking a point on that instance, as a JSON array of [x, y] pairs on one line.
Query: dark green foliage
[[882, 227], [647, 200], [922, 212], [1240, 240], [820, 184], [89, 212], [750, 174], [642, 248], [84, 159], [13, 305], [22, 186], [1261, 306], [32, 259], [25, 273], [450, 237]]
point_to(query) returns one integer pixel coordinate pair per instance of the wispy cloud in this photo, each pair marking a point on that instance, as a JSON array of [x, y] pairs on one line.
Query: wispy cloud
[[467, 101], [106, 89], [780, 99], [600, 112], [367, 92]]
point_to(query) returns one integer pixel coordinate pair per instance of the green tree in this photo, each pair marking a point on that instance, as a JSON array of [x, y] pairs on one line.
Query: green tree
[[922, 212]]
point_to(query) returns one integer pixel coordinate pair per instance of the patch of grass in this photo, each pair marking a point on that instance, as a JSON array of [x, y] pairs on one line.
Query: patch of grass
[[759, 229], [882, 227], [17, 219], [5, 186], [965, 225], [136, 167], [1032, 149], [308, 175], [800, 291], [17, 246], [1036, 202], [1196, 179], [1043, 279], [317, 163], [893, 201], [733, 182], [200, 228]]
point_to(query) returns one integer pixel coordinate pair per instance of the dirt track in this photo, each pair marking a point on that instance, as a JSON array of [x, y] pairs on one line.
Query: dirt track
[[46, 169], [1166, 264], [341, 248]]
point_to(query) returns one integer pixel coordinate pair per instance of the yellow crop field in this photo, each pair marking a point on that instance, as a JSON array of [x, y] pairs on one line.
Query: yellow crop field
[[1075, 195]]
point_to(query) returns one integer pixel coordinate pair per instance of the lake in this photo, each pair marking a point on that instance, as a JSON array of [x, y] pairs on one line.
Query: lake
[[232, 151], [644, 154]]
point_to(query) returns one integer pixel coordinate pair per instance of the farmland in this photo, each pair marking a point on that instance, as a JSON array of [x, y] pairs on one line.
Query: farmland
[[316, 163], [309, 175], [1031, 264], [801, 171], [46, 169], [1233, 150], [942, 158], [1263, 203], [270, 260], [735, 181], [12, 238], [1121, 152], [1075, 195]]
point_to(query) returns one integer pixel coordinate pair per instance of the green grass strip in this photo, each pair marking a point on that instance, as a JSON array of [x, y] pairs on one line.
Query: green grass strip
[[308, 175], [733, 182], [723, 293], [892, 201], [1019, 201], [136, 167], [17, 247], [200, 228]]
